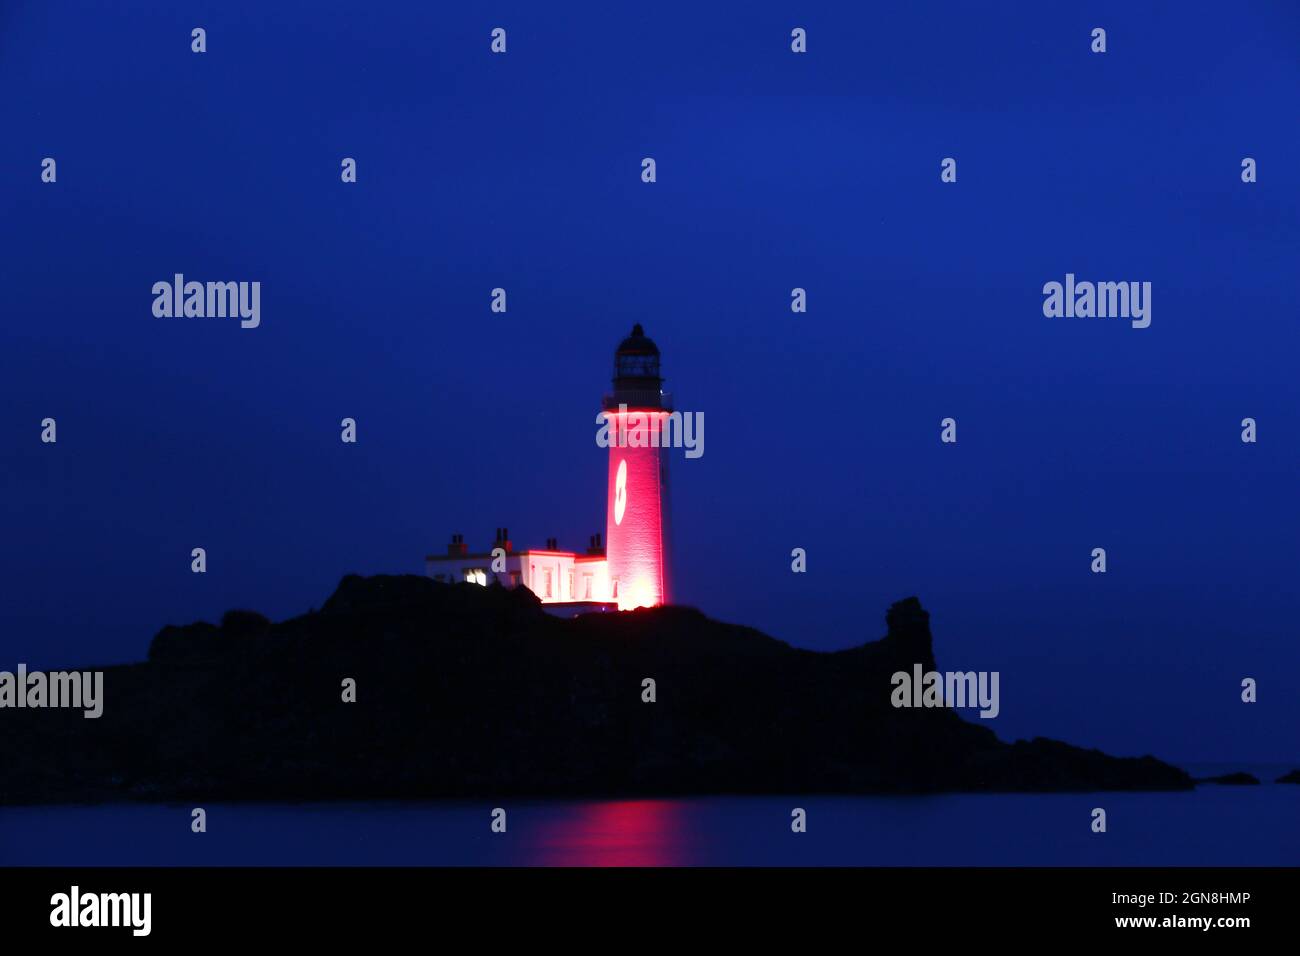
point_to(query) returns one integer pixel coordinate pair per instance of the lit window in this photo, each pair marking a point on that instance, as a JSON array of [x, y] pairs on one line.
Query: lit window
[[476, 576], [548, 582]]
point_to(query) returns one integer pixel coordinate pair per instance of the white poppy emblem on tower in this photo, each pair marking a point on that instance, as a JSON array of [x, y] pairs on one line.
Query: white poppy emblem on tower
[[620, 492]]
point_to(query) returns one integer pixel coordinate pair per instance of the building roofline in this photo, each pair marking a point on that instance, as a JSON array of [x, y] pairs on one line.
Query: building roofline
[[516, 553]]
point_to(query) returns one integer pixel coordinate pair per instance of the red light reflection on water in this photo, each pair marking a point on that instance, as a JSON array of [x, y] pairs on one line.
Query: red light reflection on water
[[616, 833]]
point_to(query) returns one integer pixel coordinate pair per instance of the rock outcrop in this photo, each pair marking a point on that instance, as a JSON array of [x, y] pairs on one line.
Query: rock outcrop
[[471, 691]]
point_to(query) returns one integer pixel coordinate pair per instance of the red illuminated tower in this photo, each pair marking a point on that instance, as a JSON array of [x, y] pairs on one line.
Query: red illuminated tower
[[636, 526]]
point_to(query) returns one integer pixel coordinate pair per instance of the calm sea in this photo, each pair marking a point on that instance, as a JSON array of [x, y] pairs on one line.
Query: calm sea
[[1212, 825]]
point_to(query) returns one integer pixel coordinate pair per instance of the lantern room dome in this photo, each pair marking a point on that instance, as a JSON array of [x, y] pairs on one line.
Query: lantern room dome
[[637, 343], [637, 358], [637, 382]]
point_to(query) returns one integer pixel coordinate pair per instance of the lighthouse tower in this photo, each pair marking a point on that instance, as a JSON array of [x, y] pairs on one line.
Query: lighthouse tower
[[636, 533], [630, 568]]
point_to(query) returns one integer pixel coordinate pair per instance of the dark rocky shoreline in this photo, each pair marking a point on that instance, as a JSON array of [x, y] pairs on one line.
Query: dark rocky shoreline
[[466, 691]]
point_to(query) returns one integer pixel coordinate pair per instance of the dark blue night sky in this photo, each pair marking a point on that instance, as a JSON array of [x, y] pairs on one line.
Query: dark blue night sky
[[774, 171]]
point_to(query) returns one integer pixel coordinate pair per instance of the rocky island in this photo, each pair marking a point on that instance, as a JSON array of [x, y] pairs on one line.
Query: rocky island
[[469, 691]]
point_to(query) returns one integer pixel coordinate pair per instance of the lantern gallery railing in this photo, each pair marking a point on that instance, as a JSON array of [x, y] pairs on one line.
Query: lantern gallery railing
[[638, 398], [650, 428]]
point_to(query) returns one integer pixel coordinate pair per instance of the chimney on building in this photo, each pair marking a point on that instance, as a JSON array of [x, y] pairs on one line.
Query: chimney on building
[[502, 540], [594, 545], [457, 547]]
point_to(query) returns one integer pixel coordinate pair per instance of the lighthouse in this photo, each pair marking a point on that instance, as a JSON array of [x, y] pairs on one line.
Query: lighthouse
[[636, 532], [627, 566]]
